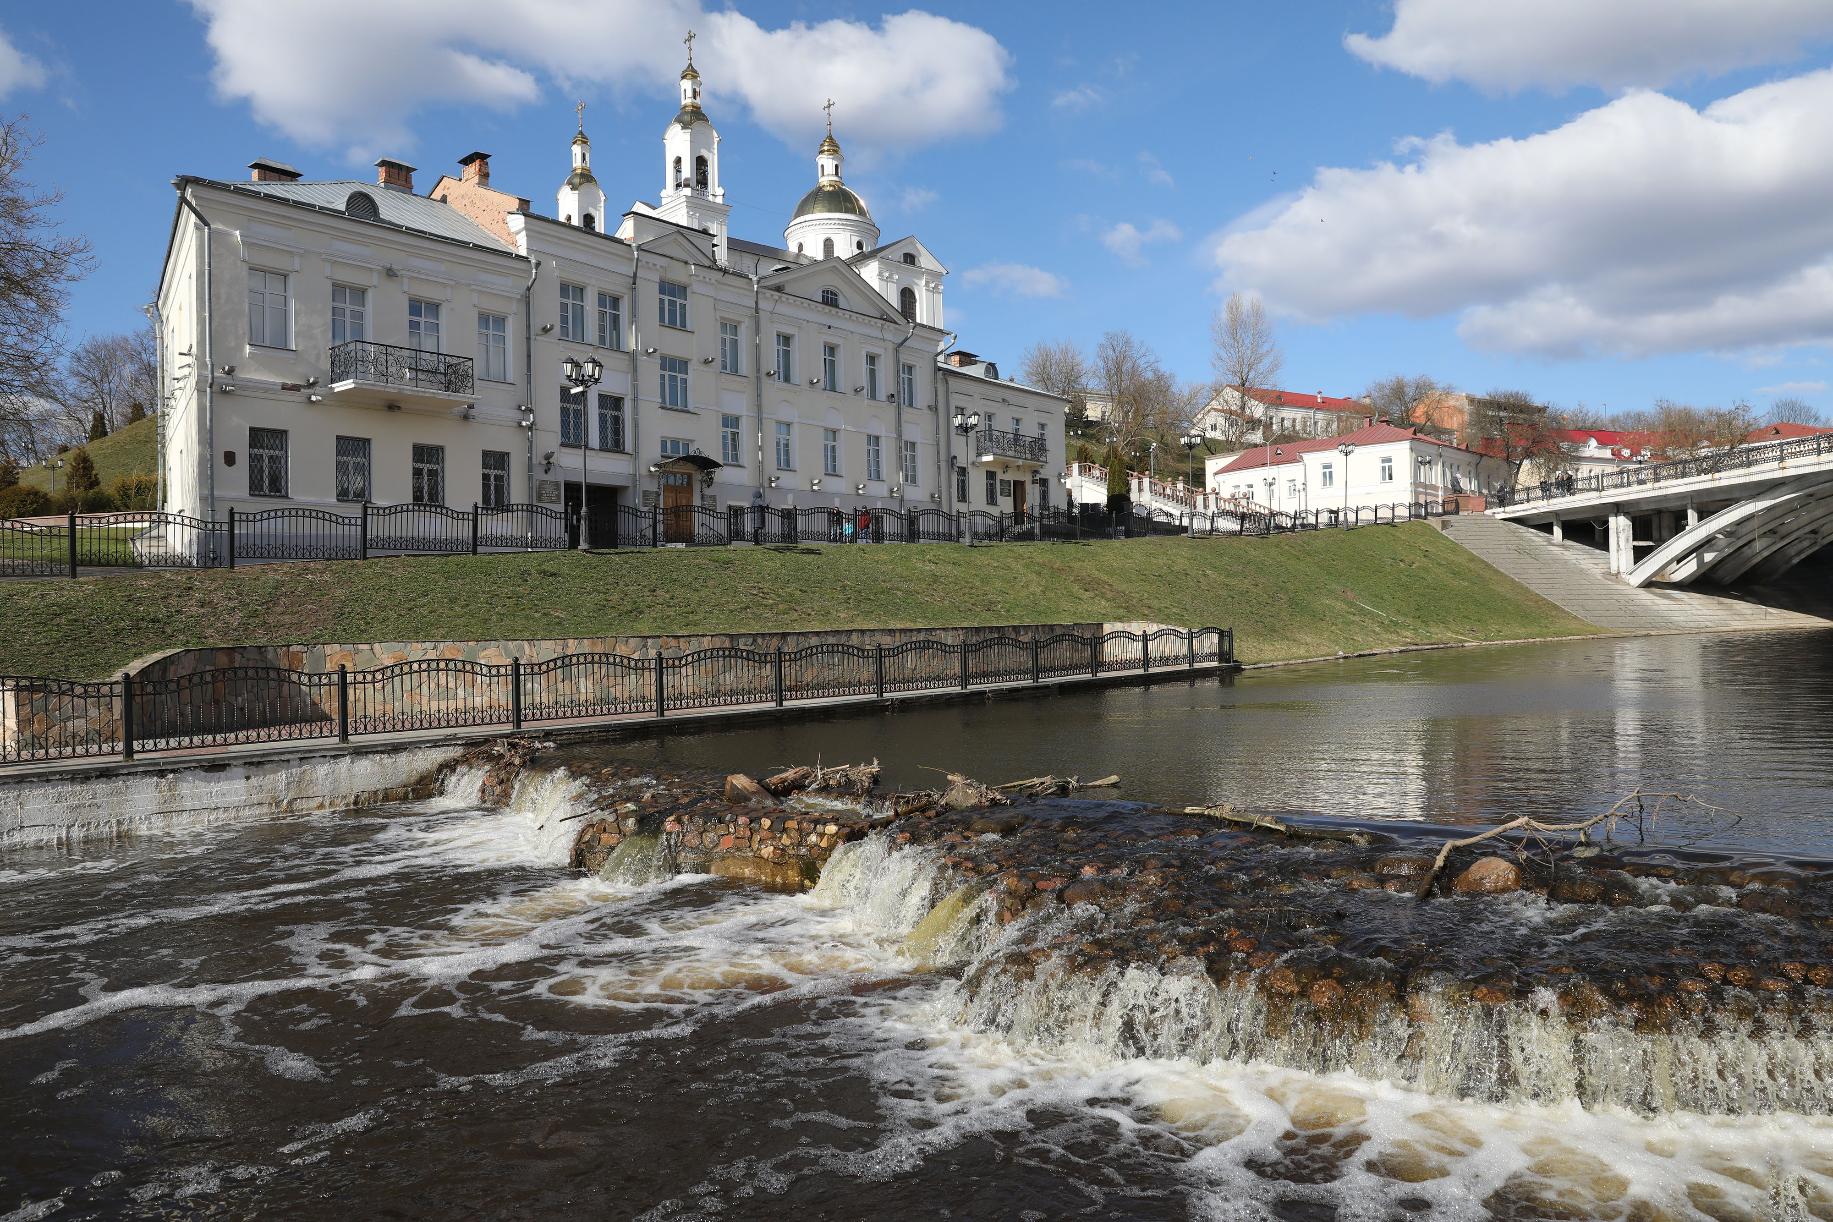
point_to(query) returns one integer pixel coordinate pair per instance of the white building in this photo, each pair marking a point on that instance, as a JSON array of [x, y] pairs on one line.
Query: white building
[[331, 343], [1234, 412], [1375, 465]]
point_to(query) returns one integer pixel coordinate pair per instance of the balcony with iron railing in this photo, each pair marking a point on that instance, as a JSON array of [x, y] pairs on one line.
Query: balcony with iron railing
[[993, 443], [368, 374]]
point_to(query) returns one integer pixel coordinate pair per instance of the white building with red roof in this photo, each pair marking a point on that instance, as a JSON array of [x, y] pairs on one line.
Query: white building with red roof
[[1378, 464], [1235, 411]]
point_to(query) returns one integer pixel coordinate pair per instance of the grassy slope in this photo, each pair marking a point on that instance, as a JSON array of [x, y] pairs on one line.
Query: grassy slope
[[129, 450], [1286, 597]]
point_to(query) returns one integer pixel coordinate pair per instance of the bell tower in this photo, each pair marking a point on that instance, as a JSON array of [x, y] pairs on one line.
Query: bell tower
[[691, 194], [581, 201]]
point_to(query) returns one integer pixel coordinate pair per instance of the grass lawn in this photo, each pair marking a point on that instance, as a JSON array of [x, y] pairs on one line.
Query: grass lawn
[[129, 450], [1287, 597], [101, 546]]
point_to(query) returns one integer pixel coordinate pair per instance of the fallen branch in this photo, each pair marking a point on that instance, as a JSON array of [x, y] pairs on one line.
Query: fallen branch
[[1268, 823], [1053, 786]]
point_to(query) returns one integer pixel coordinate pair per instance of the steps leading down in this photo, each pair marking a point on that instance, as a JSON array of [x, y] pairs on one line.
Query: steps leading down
[[1578, 579]]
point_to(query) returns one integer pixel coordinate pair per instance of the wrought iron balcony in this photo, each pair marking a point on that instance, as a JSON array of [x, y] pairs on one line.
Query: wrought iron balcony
[[993, 443], [362, 364]]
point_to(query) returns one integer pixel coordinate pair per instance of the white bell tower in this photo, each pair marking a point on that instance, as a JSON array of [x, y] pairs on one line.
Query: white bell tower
[[691, 194], [581, 201]]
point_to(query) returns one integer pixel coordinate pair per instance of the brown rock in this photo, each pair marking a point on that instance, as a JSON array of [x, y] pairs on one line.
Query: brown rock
[[1488, 876], [1400, 865], [741, 789], [1326, 994]]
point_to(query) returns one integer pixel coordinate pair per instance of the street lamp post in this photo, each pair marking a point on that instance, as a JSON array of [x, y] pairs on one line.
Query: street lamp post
[[1346, 449], [967, 424], [1190, 441], [581, 376]]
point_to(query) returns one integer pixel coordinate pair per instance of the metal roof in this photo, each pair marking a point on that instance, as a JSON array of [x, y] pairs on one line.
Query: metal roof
[[398, 208]]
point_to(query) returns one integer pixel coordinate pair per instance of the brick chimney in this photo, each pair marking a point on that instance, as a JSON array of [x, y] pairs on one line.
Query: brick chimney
[[477, 168], [962, 359], [266, 169], [395, 175]]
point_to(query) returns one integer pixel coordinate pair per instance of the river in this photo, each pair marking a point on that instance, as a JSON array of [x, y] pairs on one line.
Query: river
[[414, 1010]]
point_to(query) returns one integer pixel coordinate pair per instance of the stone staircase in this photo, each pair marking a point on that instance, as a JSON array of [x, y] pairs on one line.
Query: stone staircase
[[1577, 578]]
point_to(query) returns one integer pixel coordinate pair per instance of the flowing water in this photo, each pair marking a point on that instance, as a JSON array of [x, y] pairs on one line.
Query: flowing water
[[417, 1010]]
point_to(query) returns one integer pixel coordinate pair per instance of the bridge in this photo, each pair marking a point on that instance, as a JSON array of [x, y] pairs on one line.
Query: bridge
[[1746, 514]]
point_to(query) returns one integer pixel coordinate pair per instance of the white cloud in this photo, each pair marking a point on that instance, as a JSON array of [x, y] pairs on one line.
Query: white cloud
[[1504, 45], [353, 72], [1155, 171], [1641, 226], [915, 199], [1129, 241], [1015, 280], [1077, 100], [1793, 388], [17, 69]]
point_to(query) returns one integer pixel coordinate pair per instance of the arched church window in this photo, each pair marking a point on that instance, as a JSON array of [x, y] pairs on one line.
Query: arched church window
[[906, 304], [678, 181], [830, 297], [827, 248], [858, 246], [700, 179], [910, 258], [586, 220]]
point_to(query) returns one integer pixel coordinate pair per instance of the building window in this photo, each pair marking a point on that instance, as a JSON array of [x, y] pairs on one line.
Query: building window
[[961, 485], [266, 462], [910, 461], [872, 375], [573, 312], [1387, 470], [572, 420], [992, 487], [906, 384], [875, 457], [353, 468], [729, 441], [1291, 489], [830, 451], [785, 357], [493, 347], [610, 320], [676, 447], [1326, 475], [496, 479], [671, 304], [700, 173], [611, 422], [830, 297], [785, 446], [349, 313], [674, 382], [910, 258], [422, 325], [429, 474], [268, 312], [729, 352], [830, 366], [906, 304], [827, 248]]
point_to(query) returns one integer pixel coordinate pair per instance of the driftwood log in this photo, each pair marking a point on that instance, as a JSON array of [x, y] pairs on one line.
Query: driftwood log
[[1268, 823]]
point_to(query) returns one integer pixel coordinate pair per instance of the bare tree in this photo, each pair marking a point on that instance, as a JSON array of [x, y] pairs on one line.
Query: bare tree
[[1680, 429], [107, 375], [1398, 396], [37, 267], [1511, 426], [1243, 351], [1794, 411], [1060, 368], [1146, 399]]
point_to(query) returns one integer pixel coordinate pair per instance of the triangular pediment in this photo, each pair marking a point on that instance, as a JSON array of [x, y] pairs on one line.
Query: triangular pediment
[[894, 252], [856, 294]]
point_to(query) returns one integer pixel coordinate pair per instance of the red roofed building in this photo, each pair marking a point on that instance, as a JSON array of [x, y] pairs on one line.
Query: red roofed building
[[1235, 413], [1784, 431], [1378, 464]]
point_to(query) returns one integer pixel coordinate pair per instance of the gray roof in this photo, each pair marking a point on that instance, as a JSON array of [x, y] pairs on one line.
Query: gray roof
[[399, 209]]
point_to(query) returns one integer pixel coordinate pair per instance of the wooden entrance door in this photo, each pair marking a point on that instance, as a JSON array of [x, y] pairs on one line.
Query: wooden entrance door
[[1018, 499], [677, 507]]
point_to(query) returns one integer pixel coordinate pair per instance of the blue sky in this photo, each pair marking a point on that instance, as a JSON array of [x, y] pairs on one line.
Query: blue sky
[[1602, 208]]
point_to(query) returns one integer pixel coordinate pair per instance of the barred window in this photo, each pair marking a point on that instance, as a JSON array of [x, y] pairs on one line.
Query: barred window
[[572, 420], [992, 487], [961, 485], [496, 479], [429, 475], [671, 304], [267, 462], [353, 468], [611, 422]]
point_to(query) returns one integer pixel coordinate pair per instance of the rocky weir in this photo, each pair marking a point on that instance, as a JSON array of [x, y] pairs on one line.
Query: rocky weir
[[1638, 977]]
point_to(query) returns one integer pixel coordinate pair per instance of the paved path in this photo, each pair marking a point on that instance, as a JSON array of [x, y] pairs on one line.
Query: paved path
[[1577, 578]]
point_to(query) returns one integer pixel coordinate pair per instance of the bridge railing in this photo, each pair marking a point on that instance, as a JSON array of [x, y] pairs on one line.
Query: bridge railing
[[1715, 462]]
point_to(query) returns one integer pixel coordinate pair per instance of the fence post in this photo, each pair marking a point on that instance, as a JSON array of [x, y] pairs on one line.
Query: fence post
[[878, 670], [1037, 662], [777, 675], [1094, 655], [1190, 646], [655, 524], [474, 528], [127, 716], [343, 704], [363, 538], [70, 538], [1228, 645], [231, 538], [515, 693], [661, 700], [1145, 651], [962, 646]]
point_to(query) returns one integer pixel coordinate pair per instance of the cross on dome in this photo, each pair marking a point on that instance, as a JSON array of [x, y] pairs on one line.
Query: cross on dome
[[829, 108], [689, 40]]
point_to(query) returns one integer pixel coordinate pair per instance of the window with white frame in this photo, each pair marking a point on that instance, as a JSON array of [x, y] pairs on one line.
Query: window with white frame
[[830, 297], [429, 474], [872, 375], [1326, 475], [830, 451], [496, 479], [785, 446], [910, 461], [785, 357], [610, 320], [729, 350], [730, 441], [352, 474], [349, 313], [1387, 470], [572, 420], [267, 463], [906, 384], [676, 447], [423, 325], [875, 456], [573, 312], [671, 304], [830, 366], [493, 347], [673, 388], [269, 312], [611, 423]]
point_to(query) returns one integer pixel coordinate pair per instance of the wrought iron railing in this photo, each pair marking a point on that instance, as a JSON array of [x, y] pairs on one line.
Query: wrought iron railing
[[997, 443], [44, 720], [392, 365], [1643, 475]]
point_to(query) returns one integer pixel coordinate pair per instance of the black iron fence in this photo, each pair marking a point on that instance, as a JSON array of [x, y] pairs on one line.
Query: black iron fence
[[154, 539], [1642, 475], [409, 368], [59, 719]]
